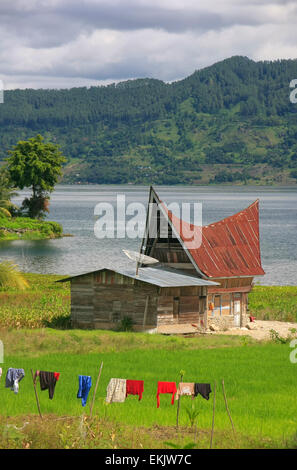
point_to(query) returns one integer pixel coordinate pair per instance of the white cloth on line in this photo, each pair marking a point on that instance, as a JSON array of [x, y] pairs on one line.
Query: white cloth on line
[[116, 391]]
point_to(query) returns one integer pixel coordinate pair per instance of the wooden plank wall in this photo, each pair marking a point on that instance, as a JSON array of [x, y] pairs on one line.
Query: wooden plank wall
[[180, 305], [237, 284], [103, 299], [113, 302], [228, 288], [82, 309]]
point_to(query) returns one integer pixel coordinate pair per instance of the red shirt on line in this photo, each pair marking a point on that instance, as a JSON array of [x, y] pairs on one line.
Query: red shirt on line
[[166, 387], [134, 387]]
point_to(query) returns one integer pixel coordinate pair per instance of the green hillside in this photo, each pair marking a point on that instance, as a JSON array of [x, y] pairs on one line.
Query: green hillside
[[231, 122]]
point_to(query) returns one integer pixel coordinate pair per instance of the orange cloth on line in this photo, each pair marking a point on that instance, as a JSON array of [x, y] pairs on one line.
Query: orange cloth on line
[[185, 388]]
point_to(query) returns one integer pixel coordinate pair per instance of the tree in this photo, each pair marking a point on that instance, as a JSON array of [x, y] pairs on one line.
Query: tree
[[37, 165], [6, 193]]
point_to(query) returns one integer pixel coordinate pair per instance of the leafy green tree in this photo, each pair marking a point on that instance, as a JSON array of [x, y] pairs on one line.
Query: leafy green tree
[[6, 193], [37, 165]]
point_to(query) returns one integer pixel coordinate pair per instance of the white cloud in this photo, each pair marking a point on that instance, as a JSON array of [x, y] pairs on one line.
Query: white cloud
[[64, 43]]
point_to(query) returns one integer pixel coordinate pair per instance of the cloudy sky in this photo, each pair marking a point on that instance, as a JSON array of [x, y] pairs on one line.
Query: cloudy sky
[[67, 43]]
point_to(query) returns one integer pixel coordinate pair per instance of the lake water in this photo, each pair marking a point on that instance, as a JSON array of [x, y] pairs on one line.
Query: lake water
[[73, 207]]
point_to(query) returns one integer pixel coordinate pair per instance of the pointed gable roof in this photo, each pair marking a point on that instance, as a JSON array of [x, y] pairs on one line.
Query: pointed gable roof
[[229, 248]]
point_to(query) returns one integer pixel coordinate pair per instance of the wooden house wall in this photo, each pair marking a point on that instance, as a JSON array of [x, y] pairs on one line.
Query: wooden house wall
[[181, 305], [230, 292], [82, 308], [102, 300]]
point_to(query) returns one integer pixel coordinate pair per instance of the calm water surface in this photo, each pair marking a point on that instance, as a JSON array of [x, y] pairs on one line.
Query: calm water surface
[[73, 207]]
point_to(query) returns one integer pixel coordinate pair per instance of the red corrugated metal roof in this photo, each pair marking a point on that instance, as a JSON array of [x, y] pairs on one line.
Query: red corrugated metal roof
[[228, 248]]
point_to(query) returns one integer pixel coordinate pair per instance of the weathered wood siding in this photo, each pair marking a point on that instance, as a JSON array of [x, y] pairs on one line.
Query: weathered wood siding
[[82, 308], [181, 305], [230, 297], [102, 300]]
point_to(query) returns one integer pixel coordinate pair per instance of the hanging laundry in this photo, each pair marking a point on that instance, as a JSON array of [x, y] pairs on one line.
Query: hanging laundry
[[134, 387], [203, 389], [116, 391], [166, 387], [84, 385], [47, 380], [13, 377], [185, 388]]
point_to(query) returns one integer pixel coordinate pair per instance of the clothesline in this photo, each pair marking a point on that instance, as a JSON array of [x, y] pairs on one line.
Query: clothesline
[[117, 390]]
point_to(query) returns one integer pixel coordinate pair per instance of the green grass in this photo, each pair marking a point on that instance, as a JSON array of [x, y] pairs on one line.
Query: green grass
[[260, 383], [52, 341], [259, 378], [24, 228], [274, 303], [44, 303]]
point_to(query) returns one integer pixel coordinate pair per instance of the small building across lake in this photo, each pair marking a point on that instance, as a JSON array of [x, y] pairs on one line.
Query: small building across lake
[[153, 297]]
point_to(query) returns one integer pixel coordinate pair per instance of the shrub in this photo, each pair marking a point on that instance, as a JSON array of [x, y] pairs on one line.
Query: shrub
[[126, 324]]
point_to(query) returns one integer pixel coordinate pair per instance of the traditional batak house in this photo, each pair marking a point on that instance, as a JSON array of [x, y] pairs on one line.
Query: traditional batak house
[[199, 284], [225, 252]]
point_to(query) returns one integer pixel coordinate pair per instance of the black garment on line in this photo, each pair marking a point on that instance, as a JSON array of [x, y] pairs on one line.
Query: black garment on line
[[47, 381], [203, 389]]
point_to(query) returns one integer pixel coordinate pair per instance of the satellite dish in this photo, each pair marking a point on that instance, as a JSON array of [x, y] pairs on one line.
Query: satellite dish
[[140, 258]]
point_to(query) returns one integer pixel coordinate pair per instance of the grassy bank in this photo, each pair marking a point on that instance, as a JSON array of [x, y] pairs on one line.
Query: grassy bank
[[47, 303], [24, 228], [78, 432]]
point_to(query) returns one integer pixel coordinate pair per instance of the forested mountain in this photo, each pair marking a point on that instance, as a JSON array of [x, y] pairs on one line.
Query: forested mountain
[[230, 122]]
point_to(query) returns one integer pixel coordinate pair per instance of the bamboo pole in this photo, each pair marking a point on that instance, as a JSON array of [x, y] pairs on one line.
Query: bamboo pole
[[145, 311], [36, 396], [227, 408], [178, 402], [213, 415], [96, 386]]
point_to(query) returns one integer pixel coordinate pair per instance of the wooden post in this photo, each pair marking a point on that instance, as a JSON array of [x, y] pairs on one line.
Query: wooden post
[[241, 308], [226, 404], [145, 311], [206, 313], [178, 402], [36, 396], [96, 386], [213, 415]]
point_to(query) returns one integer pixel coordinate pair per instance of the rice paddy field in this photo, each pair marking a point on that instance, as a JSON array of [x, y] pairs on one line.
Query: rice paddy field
[[260, 382]]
